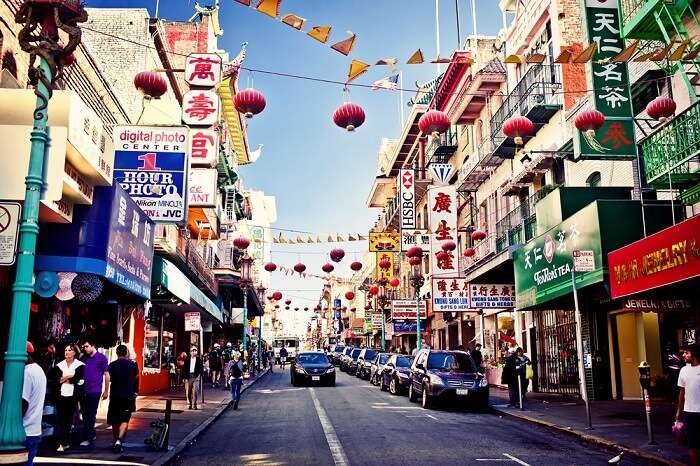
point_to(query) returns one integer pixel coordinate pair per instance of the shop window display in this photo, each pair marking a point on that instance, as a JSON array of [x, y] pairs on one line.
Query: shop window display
[[151, 346]]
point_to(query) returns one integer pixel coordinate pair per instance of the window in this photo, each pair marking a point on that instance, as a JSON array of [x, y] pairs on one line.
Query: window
[[593, 180], [151, 346]]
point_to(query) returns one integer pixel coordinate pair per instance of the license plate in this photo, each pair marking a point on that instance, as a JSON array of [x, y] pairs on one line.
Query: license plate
[[315, 378], [462, 391]]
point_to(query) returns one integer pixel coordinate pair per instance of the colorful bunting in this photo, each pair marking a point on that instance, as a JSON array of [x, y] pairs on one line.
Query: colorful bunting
[[357, 68], [345, 46], [270, 7], [587, 55], [320, 33], [244, 2], [387, 62], [536, 58], [294, 21], [416, 58]]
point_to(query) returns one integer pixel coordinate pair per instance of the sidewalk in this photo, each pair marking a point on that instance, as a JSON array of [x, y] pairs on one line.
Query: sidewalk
[[618, 425], [185, 425]]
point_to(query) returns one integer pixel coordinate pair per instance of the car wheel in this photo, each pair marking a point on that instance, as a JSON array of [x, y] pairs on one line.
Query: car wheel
[[392, 387], [426, 400], [411, 392], [382, 385], [331, 383]]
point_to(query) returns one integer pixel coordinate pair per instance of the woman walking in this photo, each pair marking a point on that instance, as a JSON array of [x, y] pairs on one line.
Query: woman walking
[[68, 375]]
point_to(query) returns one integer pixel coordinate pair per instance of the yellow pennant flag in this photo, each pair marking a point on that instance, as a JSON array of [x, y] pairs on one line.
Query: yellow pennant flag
[[269, 7], [345, 46], [357, 68], [330, 239], [339, 239], [309, 240], [320, 33], [297, 22], [416, 58]]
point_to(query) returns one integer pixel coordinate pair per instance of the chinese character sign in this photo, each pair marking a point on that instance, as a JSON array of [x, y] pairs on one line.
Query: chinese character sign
[[489, 296], [200, 108], [203, 147], [384, 242], [203, 69], [442, 215], [413, 238], [450, 294], [382, 274]]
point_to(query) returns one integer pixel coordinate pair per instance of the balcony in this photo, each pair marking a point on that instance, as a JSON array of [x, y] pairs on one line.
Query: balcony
[[443, 147], [477, 168], [674, 148], [652, 19], [536, 97], [519, 225], [485, 250]]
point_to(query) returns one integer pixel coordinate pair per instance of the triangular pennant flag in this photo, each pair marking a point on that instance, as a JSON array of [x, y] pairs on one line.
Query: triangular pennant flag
[[564, 57], [351, 238], [299, 240], [440, 60], [274, 240], [345, 46], [537, 58], [587, 55], [291, 241], [309, 240], [269, 7], [339, 239], [318, 239], [330, 239], [357, 68], [294, 21], [513, 60], [416, 58], [244, 2], [320, 33], [692, 55], [387, 62], [660, 55], [361, 237], [626, 55], [678, 53]]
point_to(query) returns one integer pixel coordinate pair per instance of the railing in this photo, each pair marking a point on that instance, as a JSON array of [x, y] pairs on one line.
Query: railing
[[480, 153], [519, 225], [673, 145], [174, 241], [629, 8], [446, 139]]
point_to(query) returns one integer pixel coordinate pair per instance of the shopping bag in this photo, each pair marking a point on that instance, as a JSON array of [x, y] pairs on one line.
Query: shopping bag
[[679, 435], [529, 373]]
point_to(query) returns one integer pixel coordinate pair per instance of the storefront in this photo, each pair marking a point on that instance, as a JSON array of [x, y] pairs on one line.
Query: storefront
[[654, 283]]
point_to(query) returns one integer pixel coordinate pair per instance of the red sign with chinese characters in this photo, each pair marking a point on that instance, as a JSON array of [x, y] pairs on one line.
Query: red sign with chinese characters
[[666, 257], [442, 216]]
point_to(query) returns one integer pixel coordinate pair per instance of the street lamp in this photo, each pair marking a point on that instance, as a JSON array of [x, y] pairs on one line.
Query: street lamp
[[261, 296], [244, 283], [45, 45], [417, 280], [382, 301]]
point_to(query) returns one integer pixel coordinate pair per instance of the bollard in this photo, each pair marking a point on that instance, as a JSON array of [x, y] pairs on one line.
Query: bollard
[[168, 412]]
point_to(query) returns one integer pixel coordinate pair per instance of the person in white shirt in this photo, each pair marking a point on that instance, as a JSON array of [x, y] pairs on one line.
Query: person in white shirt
[[68, 374], [689, 400], [33, 394]]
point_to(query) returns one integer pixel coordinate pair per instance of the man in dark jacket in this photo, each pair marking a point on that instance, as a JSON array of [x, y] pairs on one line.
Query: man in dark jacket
[[510, 378], [192, 373], [477, 357]]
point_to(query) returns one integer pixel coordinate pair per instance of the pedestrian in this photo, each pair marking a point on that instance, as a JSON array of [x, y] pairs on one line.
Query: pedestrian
[[215, 361], [509, 377], [68, 374], [193, 372], [522, 362], [96, 371], [283, 356], [477, 356], [271, 359], [33, 394], [123, 390], [688, 410], [180, 362], [236, 380]]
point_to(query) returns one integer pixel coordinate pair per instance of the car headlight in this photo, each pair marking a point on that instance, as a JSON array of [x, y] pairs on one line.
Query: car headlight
[[483, 382], [403, 375], [435, 380], [300, 370], [330, 369]]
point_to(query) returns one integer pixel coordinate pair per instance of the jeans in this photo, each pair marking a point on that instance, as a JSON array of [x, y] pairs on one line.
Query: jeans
[[88, 409], [32, 443], [236, 389]]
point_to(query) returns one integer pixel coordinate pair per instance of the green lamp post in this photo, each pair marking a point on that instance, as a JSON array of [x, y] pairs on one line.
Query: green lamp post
[[245, 283], [41, 20], [417, 280], [260, 290]]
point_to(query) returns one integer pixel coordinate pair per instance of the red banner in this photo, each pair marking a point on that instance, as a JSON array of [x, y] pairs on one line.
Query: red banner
[[666, 257]]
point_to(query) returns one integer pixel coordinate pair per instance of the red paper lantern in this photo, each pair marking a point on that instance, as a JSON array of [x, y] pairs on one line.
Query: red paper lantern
[[384, 264], [373, 290], [662, 108], [414, 251], [328, 268], [337, 255], [277, 306], [434, 122], [414, 260], [518, 127], [442, 256], [296, 308], [368, 307], [241, 242], [394, 282], [449, 246], [356, 266], [286, 307], [470, 252], [277, 295], [306, 308], [353, 309], [249, 102], [478, 235], [288, 302], [589, 121], [349, 295], [349, 116], [150, 84], [299, 268], [270, 266]]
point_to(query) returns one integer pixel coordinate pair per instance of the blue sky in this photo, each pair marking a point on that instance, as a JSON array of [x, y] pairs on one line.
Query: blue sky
[[320, 174]]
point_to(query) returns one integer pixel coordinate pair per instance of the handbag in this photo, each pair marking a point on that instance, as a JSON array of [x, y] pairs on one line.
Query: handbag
[[529, 373], [679, 434]]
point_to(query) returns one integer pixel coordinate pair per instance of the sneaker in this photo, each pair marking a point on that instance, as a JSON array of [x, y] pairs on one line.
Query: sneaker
[[60, 448], [85, 443], [117, 447]]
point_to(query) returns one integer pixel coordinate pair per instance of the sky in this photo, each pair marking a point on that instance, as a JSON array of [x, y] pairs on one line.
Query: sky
[[320, 174]]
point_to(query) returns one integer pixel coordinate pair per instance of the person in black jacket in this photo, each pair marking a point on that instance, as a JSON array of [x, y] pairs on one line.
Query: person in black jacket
[[68, 377], [510, 378], [477, 357], [192, 372]]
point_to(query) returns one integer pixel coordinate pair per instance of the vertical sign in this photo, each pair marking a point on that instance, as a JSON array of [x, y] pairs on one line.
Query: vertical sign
[[203, 69], [407, 191], [615, 139], [200, 108], [442, 214], [202, 187], [387, 274], [203, 147]]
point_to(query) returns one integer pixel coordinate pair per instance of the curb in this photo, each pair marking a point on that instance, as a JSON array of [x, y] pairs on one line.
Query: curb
[[593, 439], [187, 441]]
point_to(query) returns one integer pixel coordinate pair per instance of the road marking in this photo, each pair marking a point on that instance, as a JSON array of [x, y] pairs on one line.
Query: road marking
[[334, 445], [267, 391], [515, 459], [507, 458], [396, 407]]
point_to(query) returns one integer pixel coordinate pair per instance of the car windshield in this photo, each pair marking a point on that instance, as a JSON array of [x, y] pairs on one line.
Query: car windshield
[[451, 362], [338, 349], [370, 354], [383, 358], [356, 353], [312, 358], [404, 361]]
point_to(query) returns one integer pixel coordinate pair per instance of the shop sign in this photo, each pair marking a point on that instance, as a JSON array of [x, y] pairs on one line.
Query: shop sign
[[202, 187], [407, 199], [88, 137], [193, 322], [413, 238], [666, 257], [485, 296], [409, 326], [657, 305], [405, 309], [203, 147], [151, 165], [200, 108], [376, 319], [76, 182], [61, 211], [611, 86], [9, 226], [381, 274], [584, 261], [543, 266], [442, 215], [203, 69], [384, 242], [450, 294]]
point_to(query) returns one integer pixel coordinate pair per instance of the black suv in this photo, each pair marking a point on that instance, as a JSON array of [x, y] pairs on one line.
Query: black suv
[[396, 374], [351, 361], [364, 363], [450, 375], [310, 367]]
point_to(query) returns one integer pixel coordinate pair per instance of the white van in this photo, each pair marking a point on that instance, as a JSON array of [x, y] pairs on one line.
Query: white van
[[292, 345]]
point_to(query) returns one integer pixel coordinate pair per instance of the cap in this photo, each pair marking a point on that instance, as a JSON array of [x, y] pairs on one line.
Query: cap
[[216, 345], [30, 347]]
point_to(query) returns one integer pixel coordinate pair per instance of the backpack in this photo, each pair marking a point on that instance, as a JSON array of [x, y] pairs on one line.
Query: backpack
[[236, 372]]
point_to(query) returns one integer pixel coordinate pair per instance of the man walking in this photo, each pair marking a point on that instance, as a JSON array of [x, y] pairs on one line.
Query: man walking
[[236, 380], [283, 357], [123, 389], [215, 364], [689, 400], [96, 370], [33, 394], [193, 372]]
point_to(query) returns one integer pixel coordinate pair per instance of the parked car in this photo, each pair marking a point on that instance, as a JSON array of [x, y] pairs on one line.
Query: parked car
[[344, 357], [396, 374], [334, 355], [310, 367], [364, 363], [352, 361], [449, 375], [376, 368]]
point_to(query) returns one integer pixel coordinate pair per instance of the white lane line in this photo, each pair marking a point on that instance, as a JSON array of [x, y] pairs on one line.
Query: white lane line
[[523, 463], [507, 458], [331, 438]]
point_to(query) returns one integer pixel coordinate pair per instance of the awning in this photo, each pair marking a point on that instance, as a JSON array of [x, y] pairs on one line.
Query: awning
[[232, 295]]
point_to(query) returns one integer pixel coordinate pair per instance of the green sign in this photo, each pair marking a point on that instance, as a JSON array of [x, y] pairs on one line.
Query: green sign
[[543, 265], [611, 87]]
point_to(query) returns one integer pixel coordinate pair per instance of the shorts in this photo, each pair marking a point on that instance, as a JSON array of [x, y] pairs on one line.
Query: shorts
[[120, 410], [692, 428], [283, 359]]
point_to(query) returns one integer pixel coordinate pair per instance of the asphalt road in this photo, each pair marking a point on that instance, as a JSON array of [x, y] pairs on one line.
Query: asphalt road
[[355, 423]]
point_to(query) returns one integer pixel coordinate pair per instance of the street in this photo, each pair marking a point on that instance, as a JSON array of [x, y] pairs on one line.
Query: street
[[355, 423]]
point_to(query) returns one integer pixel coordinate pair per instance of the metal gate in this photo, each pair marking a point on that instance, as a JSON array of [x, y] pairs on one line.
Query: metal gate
[[557, 370]]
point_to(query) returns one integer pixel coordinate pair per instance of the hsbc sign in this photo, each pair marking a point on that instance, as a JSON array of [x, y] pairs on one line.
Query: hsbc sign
[[407, 192]]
